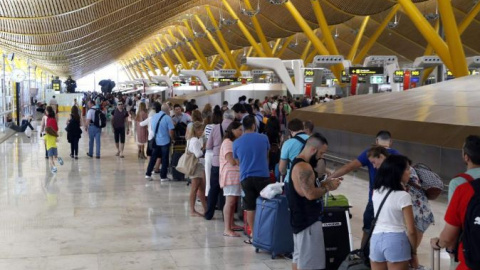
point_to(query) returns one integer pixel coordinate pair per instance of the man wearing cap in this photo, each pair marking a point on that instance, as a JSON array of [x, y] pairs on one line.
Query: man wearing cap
[[119, 122]]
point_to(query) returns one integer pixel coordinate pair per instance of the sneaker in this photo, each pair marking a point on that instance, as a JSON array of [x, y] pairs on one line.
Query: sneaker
[[54, 169], [165, 179], [148, 177], [76, 157], [71, 155], [97, 157], [89, 155], [60, 160]]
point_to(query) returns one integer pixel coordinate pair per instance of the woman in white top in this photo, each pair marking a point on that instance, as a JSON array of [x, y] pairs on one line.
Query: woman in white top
[[393, 242], [195, 146]]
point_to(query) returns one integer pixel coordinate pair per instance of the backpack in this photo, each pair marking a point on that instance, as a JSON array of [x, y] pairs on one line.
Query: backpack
[[302, 141], [130, 101], [471, 226], [180, 130], [430, 182], [100, 119], [52, 122]]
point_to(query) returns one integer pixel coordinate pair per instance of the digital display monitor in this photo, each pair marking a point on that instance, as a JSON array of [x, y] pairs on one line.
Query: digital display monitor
[[415, 79], [399, 73], [377, 80], [415, 73], [309, 72]]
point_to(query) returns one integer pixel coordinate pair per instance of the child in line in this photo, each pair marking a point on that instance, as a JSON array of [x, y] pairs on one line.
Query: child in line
[[51, 145]]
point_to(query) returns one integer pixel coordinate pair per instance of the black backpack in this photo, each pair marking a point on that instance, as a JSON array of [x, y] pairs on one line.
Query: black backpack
[[471, 229], [130, 101], [100, 119]]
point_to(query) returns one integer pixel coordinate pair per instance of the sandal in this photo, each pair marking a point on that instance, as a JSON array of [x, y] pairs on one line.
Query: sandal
[[248, 241], [237, 228], [231, 235]]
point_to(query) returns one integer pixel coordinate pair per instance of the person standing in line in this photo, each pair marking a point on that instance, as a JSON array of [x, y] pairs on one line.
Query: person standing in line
[[74, 131], [305, 200], [93, 131], [230, 178], [51, 143], [163, 139], [251, 151], [394, 240], [142, 132], [383, 138], [119, 122], [147, 122], [214, 143], [195, 146]]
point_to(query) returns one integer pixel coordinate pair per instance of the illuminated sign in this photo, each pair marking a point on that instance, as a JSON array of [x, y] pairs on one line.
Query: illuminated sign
[[377, 80], [245, 79], [345, 77], [398, 79], [365, 71], [227, 79], [362, 79], [415, 73], [414, 79], [309, 72], [399, 73], [56, 85]]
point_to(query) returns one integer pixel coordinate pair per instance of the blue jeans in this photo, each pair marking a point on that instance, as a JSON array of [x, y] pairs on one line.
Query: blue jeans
[[163, 152], [94, 135]]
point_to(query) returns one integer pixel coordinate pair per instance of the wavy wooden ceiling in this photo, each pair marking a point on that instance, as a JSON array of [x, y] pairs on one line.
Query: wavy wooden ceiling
[[78, 36]]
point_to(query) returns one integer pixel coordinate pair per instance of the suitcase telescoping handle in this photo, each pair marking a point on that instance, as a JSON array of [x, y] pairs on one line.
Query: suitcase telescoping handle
[[435, 256]]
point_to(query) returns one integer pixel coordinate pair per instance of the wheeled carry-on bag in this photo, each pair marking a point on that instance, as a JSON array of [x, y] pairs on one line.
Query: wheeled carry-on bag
[[337, 232], [272, 229], [177, 152]]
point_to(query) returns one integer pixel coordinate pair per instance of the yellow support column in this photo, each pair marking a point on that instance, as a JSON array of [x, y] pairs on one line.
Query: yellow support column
[[275, 46], [143, 68], [363, 52], [358, 38], [317, 44], [136, 70], [214, 61], [469, 18], [285, 46], [259, 31], [149, 65], [310, 57], [152, 52], [195, 43], [306, 50], [129, 75], [214, 42], [167, 60], [454, 41], [322, 22], [125, 65], [249, 53], [244, 29], [427, 31], [201, 61], [429, 51], [222, 40], [177, 55]]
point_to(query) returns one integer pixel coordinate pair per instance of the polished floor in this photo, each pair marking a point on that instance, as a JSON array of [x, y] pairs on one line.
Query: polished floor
[[102, 214]]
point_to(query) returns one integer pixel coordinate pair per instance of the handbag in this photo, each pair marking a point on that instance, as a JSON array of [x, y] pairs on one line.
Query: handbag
[[430, 182], [187, 163], [152, 143], [366, 247]]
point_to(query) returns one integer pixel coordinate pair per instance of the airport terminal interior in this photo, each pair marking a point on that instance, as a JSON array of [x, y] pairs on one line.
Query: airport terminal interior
[[347, 68]]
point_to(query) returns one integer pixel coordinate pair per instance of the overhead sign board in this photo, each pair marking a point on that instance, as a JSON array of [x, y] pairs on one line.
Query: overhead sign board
[[365, 71], [399, 73], [227, 72], [309, 72], [56, 85], [345, 77], [415, 73]]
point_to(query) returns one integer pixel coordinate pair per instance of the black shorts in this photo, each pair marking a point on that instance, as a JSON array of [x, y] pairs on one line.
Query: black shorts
[[251, 187], [119, 134]]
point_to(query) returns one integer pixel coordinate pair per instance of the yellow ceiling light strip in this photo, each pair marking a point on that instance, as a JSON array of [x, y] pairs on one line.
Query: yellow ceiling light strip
[[222, 40], [244, 29]]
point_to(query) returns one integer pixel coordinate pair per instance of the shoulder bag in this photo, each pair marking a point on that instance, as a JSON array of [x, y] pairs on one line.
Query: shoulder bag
[[153, 143], [366, 247], [187, 162]]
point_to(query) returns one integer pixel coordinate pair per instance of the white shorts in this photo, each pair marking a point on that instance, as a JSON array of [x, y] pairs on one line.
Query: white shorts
[[232, 190], [309, 248]]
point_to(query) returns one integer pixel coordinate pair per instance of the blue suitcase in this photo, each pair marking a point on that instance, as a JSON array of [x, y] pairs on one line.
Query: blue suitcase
[[272, 230]]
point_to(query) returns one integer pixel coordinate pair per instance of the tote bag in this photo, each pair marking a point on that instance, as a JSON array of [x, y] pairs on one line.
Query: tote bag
[[187, 163]]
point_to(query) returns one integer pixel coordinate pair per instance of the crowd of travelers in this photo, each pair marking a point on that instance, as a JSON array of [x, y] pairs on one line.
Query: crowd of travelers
[[236, 151]]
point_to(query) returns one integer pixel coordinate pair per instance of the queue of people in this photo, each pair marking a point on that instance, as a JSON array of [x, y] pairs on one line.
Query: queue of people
[[242, 142]]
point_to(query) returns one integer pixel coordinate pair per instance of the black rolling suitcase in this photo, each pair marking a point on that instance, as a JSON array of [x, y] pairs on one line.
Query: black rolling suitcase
[[178, 150], [336, 231]]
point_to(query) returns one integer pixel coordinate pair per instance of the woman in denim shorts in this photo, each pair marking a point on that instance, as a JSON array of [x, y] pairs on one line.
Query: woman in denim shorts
[[393, 243]]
